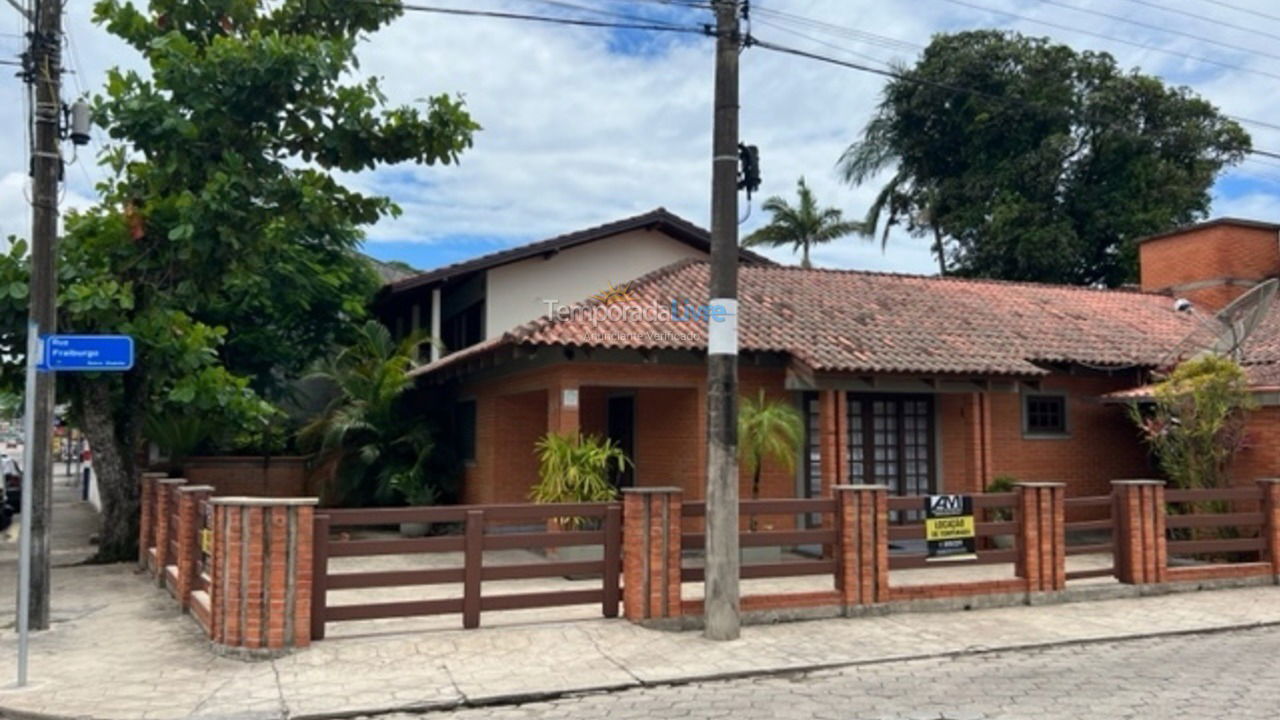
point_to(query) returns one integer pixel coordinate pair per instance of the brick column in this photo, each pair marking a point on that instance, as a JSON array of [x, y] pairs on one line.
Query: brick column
[[828, 439], [1271, 521], [189, 522], [261, 580], [862, 572], [1142, 553], [1042, 542], [166, 504], [651, 553], [147, 515], [562, 417]]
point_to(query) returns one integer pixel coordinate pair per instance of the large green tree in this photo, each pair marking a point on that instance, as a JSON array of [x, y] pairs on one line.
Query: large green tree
[[1027, 160], [222, 240]]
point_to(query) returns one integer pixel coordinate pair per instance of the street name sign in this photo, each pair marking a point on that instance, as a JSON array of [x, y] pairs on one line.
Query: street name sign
[[88, 353]]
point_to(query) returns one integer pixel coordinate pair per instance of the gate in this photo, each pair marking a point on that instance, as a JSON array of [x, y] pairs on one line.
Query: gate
[[601, 525]]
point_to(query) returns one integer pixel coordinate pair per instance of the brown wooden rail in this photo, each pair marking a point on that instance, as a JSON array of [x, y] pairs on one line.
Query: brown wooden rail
[[1088, 502], [473, 572]]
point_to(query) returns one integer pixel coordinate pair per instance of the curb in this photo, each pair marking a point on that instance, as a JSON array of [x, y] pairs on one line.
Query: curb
[[543, 696]]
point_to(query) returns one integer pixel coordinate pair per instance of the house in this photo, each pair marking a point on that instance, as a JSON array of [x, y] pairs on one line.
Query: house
[[480, 299], [924, 384]]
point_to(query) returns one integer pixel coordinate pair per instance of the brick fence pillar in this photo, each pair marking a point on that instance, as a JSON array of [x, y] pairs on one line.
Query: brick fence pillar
[[651, 553], [261, 578], [166, 505], [189, 523], [1142, 553], [1271, 521], [1042, 541], [147, 515], [862, 531]]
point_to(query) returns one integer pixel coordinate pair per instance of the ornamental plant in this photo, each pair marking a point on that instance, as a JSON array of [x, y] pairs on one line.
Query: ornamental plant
[[576, 468], [1195, 423]]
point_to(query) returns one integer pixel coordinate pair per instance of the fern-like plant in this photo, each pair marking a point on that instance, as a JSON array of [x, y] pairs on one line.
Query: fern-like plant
[[576, 468]]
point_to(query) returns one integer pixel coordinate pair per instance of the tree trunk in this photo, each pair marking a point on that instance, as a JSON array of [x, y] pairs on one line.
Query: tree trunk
[[117, 486], [804, 261], [755, 487], [938, 250]]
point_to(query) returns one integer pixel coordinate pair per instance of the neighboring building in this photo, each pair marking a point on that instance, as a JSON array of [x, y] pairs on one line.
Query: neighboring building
[[925, 384], [480, 299]]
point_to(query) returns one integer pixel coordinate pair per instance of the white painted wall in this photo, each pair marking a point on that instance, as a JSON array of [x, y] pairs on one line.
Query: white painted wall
[[517, 293]]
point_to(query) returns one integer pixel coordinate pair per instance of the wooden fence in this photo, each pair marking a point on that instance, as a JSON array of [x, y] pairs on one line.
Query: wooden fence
[[466, 551], [262, 573]]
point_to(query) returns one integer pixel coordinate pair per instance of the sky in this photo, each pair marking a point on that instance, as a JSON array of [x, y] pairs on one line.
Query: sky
[[582, 126]]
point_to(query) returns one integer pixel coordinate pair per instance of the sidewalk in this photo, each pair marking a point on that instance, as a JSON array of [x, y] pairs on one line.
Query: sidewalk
[[120, 649]]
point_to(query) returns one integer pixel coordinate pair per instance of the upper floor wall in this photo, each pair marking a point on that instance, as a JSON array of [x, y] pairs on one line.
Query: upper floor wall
[[522, 291]]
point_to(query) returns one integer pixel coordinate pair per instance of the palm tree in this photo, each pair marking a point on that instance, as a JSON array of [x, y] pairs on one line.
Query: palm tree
[[900, 196], [804, 225], [380, 451], [768, 429]]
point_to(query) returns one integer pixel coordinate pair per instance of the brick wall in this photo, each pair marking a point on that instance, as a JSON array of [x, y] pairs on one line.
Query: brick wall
[[254, 476], [1261, 456], [982, 439], [1209, 265], [980, 433]]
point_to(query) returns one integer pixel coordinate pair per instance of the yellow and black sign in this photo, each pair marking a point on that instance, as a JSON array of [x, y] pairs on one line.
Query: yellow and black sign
[[949, 527], [206, 541]]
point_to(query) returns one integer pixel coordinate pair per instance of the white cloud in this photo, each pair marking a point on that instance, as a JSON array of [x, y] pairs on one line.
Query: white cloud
[[577, 135]]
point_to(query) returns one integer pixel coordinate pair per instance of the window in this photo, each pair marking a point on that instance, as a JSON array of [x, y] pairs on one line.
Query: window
[[464, 418], [1044, 414], [464, 329]]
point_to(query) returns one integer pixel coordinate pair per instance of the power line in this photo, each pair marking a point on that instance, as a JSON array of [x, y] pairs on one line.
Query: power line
[[1112, 38], [824, 43], [1205, 18], [922, 81], [596, 11], [1250, 11], [657, 27], [838, 30], [1158, 28]]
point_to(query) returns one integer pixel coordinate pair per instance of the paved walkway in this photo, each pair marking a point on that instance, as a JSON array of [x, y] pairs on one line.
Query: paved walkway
[[120, 649], [1179, 677]]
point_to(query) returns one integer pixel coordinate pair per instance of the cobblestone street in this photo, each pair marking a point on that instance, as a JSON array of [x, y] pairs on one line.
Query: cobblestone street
[[1187, 676]]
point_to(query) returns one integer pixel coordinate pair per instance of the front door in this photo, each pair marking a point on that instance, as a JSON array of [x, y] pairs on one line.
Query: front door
[[891, 442], [621, 418]]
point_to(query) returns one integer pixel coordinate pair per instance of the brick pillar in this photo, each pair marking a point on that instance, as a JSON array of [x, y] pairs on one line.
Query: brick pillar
[[828, 440], [1271, 521], [563, 405], [862, 572], [189, 523], [1142, 554], [1042, 541], [651, 552], [147, 515], [166, 505], [261, 579]]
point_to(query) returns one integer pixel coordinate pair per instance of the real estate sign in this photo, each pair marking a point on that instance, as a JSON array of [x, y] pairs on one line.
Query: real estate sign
[[949, 527]]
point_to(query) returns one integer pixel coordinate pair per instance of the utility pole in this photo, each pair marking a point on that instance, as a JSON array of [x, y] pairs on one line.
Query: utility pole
[[44, 71], [721, 593]]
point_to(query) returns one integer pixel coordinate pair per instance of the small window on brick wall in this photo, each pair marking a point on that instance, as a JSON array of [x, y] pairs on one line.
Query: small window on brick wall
[[1044, 414]]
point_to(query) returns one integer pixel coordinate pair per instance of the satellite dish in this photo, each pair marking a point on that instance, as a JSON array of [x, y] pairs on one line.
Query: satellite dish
[[1227, 330]]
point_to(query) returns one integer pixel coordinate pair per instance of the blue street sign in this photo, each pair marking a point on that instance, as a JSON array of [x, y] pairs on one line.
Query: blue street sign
[[87, 353]]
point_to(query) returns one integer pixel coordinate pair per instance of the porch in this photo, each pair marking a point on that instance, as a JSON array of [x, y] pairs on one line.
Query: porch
[[914, 435]]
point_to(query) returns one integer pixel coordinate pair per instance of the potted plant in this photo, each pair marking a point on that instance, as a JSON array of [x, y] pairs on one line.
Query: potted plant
[[767, 430], [1001, 484], [416, 492], [573, 469]]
